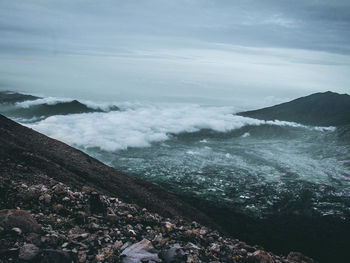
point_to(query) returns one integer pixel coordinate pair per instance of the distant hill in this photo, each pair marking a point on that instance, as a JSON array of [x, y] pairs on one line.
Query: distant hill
[[9, 107], [13, 97], [319, 109], [47, 110]]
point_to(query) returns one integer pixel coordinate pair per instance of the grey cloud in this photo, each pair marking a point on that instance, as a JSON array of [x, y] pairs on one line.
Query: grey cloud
[[167, 46], [299, 24]]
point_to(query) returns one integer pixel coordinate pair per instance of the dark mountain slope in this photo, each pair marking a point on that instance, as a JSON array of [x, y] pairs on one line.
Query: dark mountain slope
[[9, 107], [319, 109], [28, 155], [13, 97], [47, 110]]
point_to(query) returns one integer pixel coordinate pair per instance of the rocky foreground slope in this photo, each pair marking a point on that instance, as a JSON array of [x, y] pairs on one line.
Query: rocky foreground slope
[[31, 156], [58, 204], [56, 223]]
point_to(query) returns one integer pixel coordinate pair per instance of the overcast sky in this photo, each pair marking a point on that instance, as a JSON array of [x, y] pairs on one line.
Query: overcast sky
[[189, 50]]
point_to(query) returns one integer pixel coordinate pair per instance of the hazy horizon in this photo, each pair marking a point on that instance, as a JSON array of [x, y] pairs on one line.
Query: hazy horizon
[[207, 52]]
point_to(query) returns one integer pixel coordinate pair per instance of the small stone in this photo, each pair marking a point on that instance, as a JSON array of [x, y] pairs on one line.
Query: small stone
[[117, 244], [169, 226], [28, 252], [57, 208], [106, 252], [31, 194], [192, 259], [262, 256], [86, 189], [82, 257], [140, 252], [191, 246], [65, 244], [94, 226], [125, 245], [203, 231], [12, 218], [194, 224], [160, 240], [174, 254], [99, 258], [34, 238], [215, 248], [191, 234], [47, 198], [112, 218], [77, 194], [17, 230], [59, 189], [131, 231]]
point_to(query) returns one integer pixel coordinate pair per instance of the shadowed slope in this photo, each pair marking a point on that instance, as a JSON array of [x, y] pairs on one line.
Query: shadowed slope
[[46, 110], [13, 97], [319, 109]]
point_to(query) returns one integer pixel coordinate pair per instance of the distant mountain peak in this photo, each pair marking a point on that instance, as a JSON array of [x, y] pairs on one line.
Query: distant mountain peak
[[318, 109]]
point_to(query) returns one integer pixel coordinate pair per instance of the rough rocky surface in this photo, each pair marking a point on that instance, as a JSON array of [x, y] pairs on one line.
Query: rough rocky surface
[[81, 225], [13, 218]]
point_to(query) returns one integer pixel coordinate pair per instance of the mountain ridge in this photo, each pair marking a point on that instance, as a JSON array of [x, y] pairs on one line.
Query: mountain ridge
[[10, 103], [318, 109]]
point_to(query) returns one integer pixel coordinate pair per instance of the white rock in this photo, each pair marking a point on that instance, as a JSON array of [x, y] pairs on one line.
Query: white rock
[[17, 230], [140, 252]]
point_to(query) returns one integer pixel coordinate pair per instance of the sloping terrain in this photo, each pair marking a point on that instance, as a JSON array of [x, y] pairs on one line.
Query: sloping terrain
[[319, 109], [57, 204], [37, 108], [13, 97], [57, 223], [31, 156]]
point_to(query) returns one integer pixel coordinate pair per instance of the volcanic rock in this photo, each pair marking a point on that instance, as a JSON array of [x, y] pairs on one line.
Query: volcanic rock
[[298, 257], [140, 252], [28, 252], [11, 218]]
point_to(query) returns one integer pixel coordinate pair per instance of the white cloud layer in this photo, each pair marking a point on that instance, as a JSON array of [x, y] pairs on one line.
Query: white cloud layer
[[47, 100], [141, 125], [105, 106]]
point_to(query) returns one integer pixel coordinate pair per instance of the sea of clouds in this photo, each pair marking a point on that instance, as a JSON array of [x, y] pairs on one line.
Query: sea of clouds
[[105, 106], [140, 125]]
